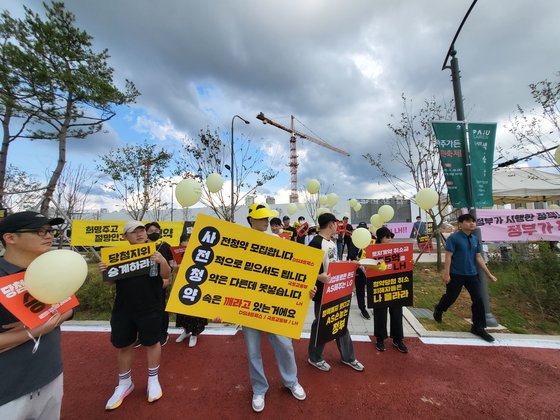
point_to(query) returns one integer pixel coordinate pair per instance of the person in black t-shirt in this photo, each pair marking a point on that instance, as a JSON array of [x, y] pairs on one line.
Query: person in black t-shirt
[[288, 228], [153, 230], [137, 313]]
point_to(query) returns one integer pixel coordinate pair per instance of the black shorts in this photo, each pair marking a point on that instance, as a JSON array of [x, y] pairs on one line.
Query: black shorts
[[126, 328]]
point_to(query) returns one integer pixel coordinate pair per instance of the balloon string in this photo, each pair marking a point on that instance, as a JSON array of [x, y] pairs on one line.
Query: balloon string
[[36, 341]]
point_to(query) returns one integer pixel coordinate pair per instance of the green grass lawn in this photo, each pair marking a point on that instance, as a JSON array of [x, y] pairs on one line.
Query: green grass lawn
[[509, 305]]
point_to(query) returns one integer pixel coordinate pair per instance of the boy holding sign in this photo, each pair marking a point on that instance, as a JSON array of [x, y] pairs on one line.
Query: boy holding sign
[[31, 385]]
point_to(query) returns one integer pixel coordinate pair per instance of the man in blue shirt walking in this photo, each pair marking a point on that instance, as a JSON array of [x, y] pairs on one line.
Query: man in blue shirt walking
[[462, 255]]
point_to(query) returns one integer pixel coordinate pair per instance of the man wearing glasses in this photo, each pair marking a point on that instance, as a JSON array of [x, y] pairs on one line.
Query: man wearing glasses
[[31, 385]]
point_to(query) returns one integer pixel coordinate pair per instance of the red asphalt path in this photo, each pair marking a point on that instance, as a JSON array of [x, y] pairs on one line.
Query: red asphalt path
[[211, 381]]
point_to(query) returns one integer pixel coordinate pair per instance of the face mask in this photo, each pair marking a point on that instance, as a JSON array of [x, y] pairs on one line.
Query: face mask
[[154, 236]]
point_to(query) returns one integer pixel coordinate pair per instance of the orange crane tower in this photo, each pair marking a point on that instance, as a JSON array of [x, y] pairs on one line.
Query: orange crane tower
[[293, 154]]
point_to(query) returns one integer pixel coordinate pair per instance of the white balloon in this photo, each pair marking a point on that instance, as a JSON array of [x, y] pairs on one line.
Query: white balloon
[[313, 186], [292, 208], [353, 203], [361, 238], [301, 206], [332, 199], [557, 155], [323, 199], [322, 210], [427, 198], [357, 207], [214, 182], [55, 275], [376, 221], [188, 192], [386, 212]]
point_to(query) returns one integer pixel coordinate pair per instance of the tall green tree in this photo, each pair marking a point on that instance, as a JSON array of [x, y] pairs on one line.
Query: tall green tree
[[208, 154], [137, 174], [538, 129], [72, 86]]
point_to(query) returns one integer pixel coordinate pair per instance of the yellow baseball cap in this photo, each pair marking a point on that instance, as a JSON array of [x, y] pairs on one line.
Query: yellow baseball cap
[[259, 211]]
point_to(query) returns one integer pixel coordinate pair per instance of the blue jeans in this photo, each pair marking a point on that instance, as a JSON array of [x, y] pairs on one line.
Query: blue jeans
[[283, 352], [340, 249]]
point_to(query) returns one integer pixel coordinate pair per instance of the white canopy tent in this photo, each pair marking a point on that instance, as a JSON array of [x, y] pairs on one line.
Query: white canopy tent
[[524, 185]]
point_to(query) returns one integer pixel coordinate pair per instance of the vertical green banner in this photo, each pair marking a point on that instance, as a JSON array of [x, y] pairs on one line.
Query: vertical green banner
[[482, 137], [450, 139]]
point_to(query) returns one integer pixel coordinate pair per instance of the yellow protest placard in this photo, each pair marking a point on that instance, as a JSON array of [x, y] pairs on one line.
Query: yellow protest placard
[[109, 232], [246, 277]]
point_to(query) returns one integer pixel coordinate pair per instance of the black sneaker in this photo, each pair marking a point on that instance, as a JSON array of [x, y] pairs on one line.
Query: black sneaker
[[437, 315], [400, 346], [481, 332], [365, 314], [380, 345]]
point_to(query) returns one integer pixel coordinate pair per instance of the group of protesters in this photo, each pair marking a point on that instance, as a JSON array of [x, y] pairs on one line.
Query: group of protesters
[[138, 316]]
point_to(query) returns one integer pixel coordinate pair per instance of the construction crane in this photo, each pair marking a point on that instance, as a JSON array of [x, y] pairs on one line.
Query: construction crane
[[293, 154]]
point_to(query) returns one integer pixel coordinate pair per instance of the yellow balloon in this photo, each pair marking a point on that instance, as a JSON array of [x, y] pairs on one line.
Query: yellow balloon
[[301, 206], [292, 208], [188, 192], [275, 213], [353, 203], [357, 207], [332, 199], [361, 238], [214, 182], [554, 206], [55, 275], [427, 198], [557, 155], [376, 221], [313, 186], [323, 200], [386, 212]]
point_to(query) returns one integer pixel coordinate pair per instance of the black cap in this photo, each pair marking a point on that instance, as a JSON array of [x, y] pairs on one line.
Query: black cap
[[286, 218], [362, 225], [384, 232], [326, 218], [26, 220]]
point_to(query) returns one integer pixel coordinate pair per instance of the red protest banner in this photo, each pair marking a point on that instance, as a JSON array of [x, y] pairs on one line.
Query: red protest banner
[[25, 307]]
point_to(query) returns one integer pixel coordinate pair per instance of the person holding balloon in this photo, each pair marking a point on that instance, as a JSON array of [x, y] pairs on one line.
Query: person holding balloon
[[385, 236], [137, 313], [30, 359]]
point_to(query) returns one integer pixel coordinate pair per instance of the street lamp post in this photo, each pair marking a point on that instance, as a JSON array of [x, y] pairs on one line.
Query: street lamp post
[[459, 110], [231, 168]]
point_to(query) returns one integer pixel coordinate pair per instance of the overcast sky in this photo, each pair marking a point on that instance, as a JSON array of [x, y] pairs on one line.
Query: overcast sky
[[339, 67]]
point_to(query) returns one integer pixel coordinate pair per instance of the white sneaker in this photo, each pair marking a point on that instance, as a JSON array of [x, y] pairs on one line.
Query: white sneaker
[[182, 337], [192, 340], [121, 392], [298, 392], [154, 391], [258, 402]]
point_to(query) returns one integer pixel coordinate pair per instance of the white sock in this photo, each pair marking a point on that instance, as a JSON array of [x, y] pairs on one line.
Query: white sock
[[125, 379]]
